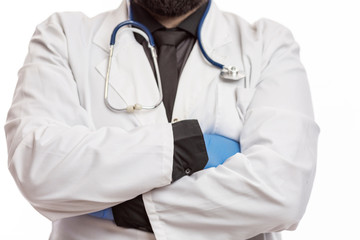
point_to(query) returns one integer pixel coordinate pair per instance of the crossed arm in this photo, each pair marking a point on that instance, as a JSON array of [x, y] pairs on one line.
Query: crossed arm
[[132, 213]]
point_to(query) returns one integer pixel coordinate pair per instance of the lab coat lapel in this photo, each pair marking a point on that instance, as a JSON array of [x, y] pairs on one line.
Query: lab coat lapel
[[132, 79], [199, 75]]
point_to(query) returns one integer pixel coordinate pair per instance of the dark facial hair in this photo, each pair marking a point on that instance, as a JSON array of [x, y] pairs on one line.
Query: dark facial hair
[[170, 8]]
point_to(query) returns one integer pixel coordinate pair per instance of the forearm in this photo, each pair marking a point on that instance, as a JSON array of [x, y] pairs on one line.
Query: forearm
[[65, 171]]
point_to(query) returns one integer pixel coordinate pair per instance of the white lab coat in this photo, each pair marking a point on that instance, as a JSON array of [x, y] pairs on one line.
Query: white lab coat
[[70, 155]]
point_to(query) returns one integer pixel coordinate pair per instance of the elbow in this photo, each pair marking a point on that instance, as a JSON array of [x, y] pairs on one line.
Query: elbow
[[293, 192], [33, 187], [288, 198], [290, 209], [289, 216], [39, 201]]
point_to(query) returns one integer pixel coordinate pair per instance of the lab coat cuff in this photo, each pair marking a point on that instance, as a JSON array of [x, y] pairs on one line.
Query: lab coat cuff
[[132, 214], [190, 153]]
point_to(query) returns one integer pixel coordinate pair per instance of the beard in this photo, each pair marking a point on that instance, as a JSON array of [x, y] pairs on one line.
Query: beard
[[170, 8]]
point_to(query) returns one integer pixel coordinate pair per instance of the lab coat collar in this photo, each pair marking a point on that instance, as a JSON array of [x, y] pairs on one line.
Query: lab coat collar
[[102, 36]]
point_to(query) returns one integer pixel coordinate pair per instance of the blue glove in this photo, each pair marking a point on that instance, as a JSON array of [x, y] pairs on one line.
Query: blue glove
[[219, 149], [104, 214]]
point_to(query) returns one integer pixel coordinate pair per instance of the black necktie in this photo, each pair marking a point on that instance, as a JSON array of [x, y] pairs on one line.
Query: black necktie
[[166, 41]]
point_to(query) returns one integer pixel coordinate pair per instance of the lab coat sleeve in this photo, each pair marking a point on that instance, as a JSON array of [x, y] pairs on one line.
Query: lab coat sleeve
[[266, 187], [62, 164]]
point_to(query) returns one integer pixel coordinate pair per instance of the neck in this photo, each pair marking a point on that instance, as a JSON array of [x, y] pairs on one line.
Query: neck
[[172, 22]]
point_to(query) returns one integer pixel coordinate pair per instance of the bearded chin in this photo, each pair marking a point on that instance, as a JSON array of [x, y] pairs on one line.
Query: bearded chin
[[170, 8]]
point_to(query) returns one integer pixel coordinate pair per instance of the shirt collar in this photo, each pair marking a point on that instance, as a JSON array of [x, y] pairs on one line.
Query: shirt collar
[[190, 24]]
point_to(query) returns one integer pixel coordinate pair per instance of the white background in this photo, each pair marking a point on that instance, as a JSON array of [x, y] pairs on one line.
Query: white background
[[329, 36]]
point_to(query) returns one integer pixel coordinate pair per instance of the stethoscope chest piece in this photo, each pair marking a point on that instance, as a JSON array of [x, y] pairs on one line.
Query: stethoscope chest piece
[[232, 73]]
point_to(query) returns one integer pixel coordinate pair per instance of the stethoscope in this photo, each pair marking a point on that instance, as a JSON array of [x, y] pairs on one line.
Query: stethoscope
[[226, 72]]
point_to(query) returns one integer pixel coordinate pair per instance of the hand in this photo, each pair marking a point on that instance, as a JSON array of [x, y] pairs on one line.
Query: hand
[[219, 149]]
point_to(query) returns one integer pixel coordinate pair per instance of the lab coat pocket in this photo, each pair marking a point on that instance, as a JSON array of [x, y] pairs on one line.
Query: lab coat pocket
[[228, 123]]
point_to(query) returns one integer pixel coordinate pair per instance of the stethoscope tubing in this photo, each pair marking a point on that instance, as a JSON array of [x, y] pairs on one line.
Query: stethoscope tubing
[[229, 72], [208, 58], [132, 23]]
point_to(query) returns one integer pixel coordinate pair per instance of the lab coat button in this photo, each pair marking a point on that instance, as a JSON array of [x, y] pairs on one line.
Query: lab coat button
[[187, 171]]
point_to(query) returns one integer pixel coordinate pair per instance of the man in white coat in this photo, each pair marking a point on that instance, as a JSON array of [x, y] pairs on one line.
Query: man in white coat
[[71, 155]]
